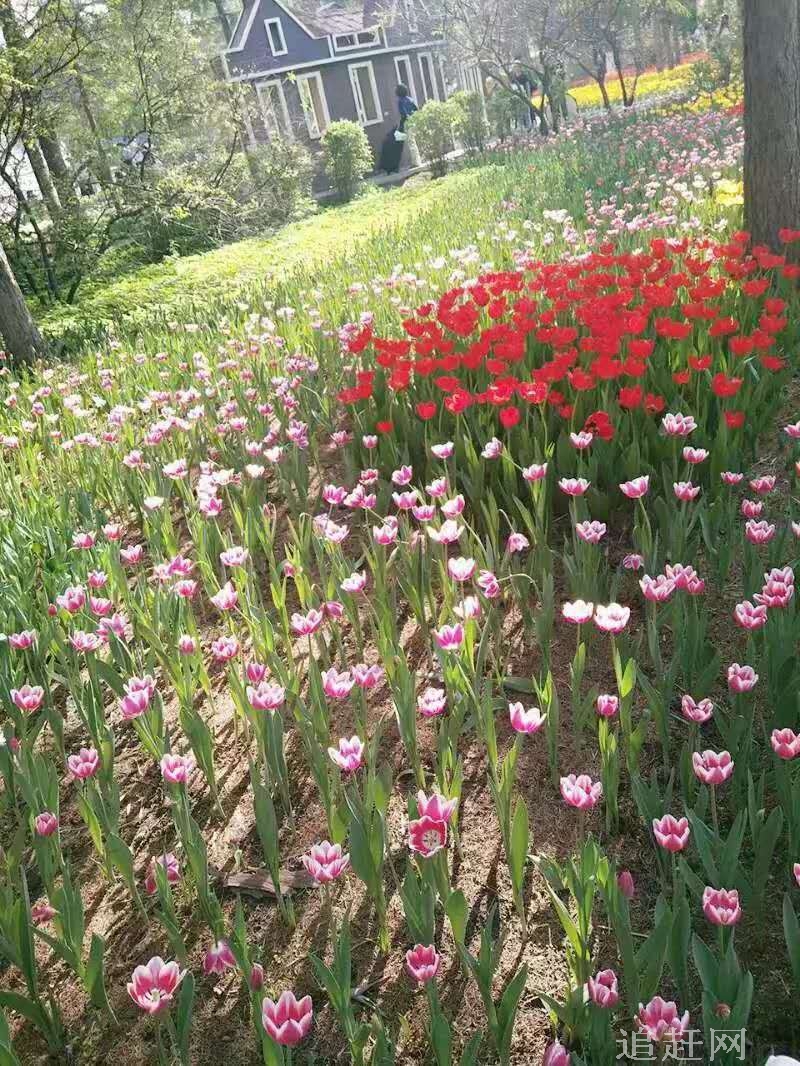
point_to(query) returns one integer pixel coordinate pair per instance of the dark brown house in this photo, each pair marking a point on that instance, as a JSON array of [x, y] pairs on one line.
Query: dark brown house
[[307, 70]]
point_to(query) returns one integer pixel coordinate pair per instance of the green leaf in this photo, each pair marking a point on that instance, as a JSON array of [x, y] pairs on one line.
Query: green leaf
[[791, 932], [457, 914], [518, 846], [94, 978], [183, 1015]]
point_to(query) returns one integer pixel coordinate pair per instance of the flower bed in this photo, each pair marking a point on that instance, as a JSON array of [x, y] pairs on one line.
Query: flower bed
[[401, 665]]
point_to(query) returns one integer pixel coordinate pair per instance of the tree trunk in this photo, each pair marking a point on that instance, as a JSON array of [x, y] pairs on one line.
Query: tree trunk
[[107, 178], [771, 118], [51, 150], [20, 337], [44, 178]]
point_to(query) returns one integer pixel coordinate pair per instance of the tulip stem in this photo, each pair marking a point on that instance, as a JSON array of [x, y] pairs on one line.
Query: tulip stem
[[714, 819]]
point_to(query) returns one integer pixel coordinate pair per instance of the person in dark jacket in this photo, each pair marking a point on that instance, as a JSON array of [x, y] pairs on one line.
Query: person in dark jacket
[[405, 105], [392, 147]]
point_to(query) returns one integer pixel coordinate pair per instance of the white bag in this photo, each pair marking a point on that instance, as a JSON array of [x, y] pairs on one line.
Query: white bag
[[400, 136]]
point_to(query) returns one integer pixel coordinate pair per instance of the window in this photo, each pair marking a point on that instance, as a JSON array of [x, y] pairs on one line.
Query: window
[[363, 39], [277, 42], [429, 87], [402, 68], [273, 108], [315, 106], [365, 93]]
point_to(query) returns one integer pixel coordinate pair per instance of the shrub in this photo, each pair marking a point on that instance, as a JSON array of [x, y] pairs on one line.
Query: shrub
[[432, 130], [348, 157], [506, 112], [469, 120]]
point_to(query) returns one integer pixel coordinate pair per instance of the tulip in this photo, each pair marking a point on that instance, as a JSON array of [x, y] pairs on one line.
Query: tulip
[[226, 599], [432, 702], [176, 769], [525, 721], [759, 532], [721, 906], [535, 472], [712, 768], [153, 986], [659, 1021], [556, 1055], [698, 712], [46, 824], [731, 477], [422, 963], [355, 583], [785, 743], [741, 678], [436, 807], [685, 491], [611, 618], [427, 836], [603, 989], [367, 676], [517, 542], [265, 696], [573, 486], [636, 488], [349, 755], [256, 979], [29, 698], [678, 425], [578, 612], [453, 508], [626, 884], [337, 685], [72, 599], [85, 764], [763, 484], [607, 706], [42, 913], [633, 562], [580, 791], [169, 863], [442, 451], [657, 589], [461, 569], [449, 638], [671, 833], [796, 872], [218, 958], [591, 532], [23, 640], [325, 862], [750, 617], [488, 584], [289, 1020], [492, 449]]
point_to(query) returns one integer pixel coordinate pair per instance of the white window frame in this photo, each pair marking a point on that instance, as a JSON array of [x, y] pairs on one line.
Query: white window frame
[[355, 85], [428, 56], [316, 132], [408, 81], [276, 23], [355, 34], [261, 87]]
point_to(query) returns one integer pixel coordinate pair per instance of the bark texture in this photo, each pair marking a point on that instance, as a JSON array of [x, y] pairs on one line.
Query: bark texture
[[19, 336], [771, 118]]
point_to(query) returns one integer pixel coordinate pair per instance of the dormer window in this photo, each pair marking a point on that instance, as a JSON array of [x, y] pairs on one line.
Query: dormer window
[[344, 42], [277, 42]]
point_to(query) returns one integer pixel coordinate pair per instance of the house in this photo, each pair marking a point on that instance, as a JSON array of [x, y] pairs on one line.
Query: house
[[340, 62]]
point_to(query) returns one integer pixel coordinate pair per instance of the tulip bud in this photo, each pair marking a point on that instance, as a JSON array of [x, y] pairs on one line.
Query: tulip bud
[[626, 884], [186, 645], [257, 977], [722, 1010], [52, 610]]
